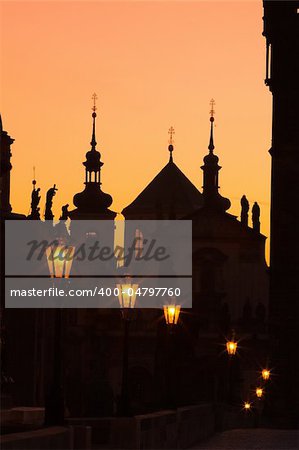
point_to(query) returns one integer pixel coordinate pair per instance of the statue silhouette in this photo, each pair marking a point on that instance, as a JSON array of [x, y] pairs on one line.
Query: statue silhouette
[[244, 210], [50, 194], [64, 213], [256, 217], [35, 199]]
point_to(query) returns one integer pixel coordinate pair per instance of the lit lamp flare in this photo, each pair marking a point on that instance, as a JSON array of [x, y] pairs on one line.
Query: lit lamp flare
[[171, 314], [60, 259], [259, 392], [266, 374], [247, 406], [231, 347]]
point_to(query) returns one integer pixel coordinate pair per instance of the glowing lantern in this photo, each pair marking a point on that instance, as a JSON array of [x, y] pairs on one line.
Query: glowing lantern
[[127, 294], [171, 314], [259, 392], [60, 258], [266, 374], [231, 347], [247, 406]]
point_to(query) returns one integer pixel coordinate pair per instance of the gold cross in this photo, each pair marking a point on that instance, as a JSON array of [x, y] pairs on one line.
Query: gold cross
[[212, 104], [171, 132], [94, 98]]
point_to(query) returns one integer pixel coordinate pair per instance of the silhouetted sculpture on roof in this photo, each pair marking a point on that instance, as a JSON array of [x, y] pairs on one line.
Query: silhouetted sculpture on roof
[[35, 199], [64, 213], [49, 202], [244, 210], [61, 231], [256, 217]]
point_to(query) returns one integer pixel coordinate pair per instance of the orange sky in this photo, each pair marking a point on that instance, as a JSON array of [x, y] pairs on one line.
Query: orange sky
[[153, 65]]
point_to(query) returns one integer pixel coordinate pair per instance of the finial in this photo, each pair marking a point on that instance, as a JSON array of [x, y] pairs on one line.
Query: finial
[[212, 112], [94, 98], [34, 180], [171, 132], [93, 142]]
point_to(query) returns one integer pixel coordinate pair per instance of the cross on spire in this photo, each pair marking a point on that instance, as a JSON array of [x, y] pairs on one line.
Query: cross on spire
[[94, 115], [94, 98], [212, 111], [171, 132]]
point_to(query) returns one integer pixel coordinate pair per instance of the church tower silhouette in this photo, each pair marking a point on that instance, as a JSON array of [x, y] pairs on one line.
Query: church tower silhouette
[[92, 203], [281, 29], [92, 220]]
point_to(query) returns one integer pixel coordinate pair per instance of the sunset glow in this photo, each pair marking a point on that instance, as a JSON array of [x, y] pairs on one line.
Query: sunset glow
[[153, 65]]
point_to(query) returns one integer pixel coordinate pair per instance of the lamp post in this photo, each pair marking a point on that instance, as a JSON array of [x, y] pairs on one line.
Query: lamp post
[[59, 259], [171, 315], [231, 348], [127, 300]]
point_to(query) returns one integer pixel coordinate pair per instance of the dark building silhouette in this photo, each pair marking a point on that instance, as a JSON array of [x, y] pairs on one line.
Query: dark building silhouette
[[170, 195], [5, 169], [281, 30], [229, 271], [230, 289]]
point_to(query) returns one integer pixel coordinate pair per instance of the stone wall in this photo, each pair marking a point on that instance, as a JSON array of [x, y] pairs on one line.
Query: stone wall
[[168, 429], [47, 438]]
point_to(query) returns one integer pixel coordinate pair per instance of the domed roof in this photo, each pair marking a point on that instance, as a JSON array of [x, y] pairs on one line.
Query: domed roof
[[211, 158], [93, 161], [92, 199]]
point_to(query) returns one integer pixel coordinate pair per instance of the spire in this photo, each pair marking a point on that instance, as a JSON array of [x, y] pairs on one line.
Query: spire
[[93, 142], [92, 200], [212, 112], [211, 168], [171, 132]]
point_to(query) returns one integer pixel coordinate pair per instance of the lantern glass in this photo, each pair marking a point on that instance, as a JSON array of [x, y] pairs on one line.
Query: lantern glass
[[171, 314], [259, 392], [127, 295], [247, 406], [266, 374], [60, 259], [231, 347]]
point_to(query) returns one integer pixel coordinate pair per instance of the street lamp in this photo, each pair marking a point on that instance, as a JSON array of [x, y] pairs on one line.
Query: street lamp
[[127, 295], [265, 374], [247, 406], [59, 259], [127, 299], [172, 314], [231, 347], [259, 392]]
